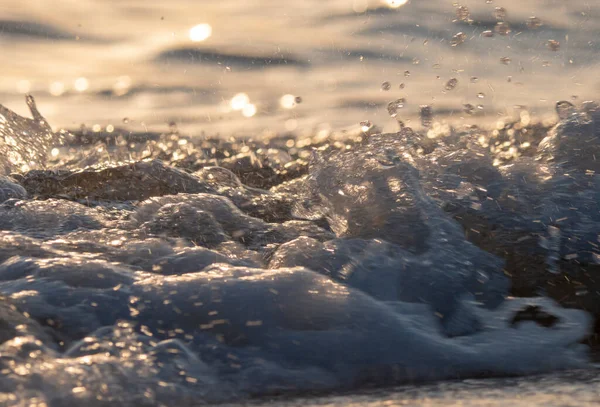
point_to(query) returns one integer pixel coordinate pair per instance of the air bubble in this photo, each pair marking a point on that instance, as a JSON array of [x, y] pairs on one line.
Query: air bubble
[[468, 108], [474, 79], [385, 86], [125, 120], [481, 95], [406, 74], [298, 99], [505, 60], [488, 33], [402, 86]]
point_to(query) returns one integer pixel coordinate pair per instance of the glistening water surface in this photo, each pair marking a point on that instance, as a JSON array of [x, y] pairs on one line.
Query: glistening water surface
[[234, 201]]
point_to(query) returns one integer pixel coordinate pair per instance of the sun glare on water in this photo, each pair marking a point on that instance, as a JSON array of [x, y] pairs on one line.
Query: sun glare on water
[[395, 3], [200, 32]]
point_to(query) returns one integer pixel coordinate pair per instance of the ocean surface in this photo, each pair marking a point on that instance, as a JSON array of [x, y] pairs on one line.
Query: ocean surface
[[283, 203]]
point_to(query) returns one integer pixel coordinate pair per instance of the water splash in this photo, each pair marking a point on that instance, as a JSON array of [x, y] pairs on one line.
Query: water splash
[[25, 143]]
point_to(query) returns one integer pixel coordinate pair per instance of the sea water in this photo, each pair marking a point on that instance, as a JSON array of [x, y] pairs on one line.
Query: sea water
[[377, 203]]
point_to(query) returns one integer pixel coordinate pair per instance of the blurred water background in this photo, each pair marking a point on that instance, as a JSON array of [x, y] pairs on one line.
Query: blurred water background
[[245, 67]]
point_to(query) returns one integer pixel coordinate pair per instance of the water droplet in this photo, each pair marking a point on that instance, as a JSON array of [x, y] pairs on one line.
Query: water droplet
[[564, 109], [534, 23], [553, 45], [394, 107], [366, 125], [451, 84], [173, 127], [509, 79], [468, 108], [505, 60], [385, 86], [489, 1], [488, 33], [458, 39], [126, 120], [481, 95], [298, 99], [406, 74], [426, 114], [480, 107], [474, 79], [463, 13], [500, 13], [502, 28], [402, 86]]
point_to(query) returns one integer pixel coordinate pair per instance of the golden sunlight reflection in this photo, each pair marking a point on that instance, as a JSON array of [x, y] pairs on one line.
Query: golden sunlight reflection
[[200, 32], [57, 88], [122, 85], [395, 3], [249, 110], [23, 86], [81, 84], [239, 101], [288, 101], [360, 6]]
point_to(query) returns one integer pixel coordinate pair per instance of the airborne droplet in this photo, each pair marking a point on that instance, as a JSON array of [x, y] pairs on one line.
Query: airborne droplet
[[553, 45], [534, 23], [394, 107], [500, 13], [451, 84], [463, 13], [426, 116], [502, 28], [366, 125], [458, 39]]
